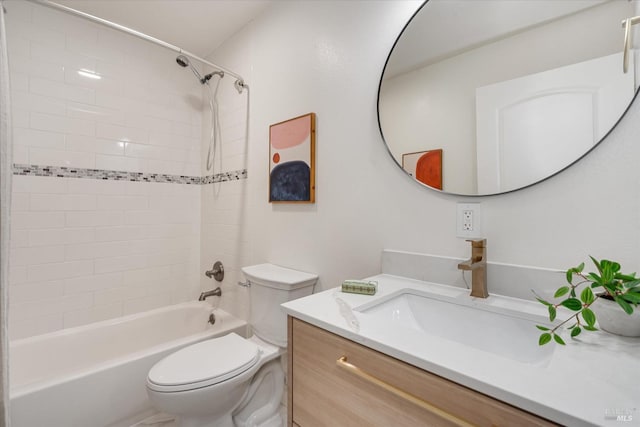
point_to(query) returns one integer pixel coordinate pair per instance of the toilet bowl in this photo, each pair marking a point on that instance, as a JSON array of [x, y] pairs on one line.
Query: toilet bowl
[[231, 380]]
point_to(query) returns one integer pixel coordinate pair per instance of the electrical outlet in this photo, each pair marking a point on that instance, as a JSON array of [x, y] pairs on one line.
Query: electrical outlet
[[468, 221]]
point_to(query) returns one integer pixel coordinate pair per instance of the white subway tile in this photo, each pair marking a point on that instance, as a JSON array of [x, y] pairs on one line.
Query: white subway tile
[[73, 77], [41, 156], [122, 202], [38, 103], [31, 309], [20, 118], [62, 270], [122, 263], [47, 87], [119, 163], [122, 133], [93, 283], [145, 275], [34, 220], [66, 202], [36, 291], [56, 236], [39, 139], [17, 274], [18, 47], [93, 219], [38, 68], [19, 238], [96, 186], [94, 112], [37, 255], [21, 154], [19, 202], [80, 94], [110, 234], [39, 184], [96, 250]]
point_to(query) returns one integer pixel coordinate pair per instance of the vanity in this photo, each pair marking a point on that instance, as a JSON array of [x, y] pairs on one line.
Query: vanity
[[421, 353]]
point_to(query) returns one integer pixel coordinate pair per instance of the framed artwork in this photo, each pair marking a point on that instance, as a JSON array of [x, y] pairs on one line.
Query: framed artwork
[[425, 166], [292, 149]]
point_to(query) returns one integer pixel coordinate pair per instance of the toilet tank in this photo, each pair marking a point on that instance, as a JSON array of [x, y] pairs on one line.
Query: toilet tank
[[272, 285]]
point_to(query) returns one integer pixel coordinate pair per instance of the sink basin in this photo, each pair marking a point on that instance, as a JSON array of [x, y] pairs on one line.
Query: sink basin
[[497, 330]]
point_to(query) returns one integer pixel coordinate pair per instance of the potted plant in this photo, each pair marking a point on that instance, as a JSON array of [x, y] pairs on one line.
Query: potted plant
[[615, 297]]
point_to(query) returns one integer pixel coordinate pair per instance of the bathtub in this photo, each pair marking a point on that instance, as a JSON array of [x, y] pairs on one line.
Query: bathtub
[[95, 375]]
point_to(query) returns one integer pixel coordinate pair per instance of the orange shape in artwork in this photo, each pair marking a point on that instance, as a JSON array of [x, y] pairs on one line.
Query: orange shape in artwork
[[276, 158], [429, 169]]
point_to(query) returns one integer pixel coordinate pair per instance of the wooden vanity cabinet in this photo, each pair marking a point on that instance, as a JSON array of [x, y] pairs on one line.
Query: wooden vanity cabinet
[[373, 389]]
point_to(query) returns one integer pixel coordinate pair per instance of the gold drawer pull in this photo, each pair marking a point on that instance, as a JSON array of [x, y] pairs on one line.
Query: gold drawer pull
[[343, 364]]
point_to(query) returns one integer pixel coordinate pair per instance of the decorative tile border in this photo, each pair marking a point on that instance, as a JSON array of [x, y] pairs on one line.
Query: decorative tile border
[[109, 175]]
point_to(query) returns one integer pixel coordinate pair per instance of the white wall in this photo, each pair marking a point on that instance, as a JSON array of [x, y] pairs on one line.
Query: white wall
[[327, 57], [87, 249]]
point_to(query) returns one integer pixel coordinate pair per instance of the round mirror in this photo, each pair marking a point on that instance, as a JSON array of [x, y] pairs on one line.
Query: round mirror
[[489, 96]]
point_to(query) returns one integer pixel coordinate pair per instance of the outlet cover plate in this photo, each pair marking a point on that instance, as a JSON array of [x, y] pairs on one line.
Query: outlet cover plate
[[468, 220]]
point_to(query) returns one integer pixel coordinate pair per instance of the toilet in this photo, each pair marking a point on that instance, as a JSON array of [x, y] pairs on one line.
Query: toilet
[[230, 380]]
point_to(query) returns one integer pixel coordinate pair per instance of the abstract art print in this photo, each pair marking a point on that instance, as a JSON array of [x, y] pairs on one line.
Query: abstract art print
[[292, 146], [425, 166]]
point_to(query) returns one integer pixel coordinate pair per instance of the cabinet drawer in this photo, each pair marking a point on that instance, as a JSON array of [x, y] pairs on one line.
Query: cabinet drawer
[[381, 390]]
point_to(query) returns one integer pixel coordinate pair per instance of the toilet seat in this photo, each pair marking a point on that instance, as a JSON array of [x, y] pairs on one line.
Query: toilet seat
[[204, 364]]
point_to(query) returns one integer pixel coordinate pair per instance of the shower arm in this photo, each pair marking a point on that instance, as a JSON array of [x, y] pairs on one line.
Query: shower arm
[[626, 24], [239, 84]]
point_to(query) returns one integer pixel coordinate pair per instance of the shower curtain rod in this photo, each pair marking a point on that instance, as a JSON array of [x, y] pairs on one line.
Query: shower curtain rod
[[239, 80]]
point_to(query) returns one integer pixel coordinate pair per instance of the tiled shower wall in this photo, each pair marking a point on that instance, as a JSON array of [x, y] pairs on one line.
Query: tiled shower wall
[[90, 249]]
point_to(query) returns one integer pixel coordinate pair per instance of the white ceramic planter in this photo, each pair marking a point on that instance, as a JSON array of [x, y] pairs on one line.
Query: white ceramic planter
[[613, 319]]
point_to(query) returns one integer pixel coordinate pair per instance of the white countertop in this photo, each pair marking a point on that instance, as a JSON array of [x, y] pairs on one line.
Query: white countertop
[[589, 381]]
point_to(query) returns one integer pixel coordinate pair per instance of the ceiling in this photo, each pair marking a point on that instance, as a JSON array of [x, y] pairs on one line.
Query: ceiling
[[444, 28], [198, 26]]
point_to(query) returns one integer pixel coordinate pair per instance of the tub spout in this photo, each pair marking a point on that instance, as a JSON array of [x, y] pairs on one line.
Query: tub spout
[[217, 292]]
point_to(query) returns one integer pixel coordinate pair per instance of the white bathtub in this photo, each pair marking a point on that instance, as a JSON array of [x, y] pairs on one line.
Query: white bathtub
[[95, 375]]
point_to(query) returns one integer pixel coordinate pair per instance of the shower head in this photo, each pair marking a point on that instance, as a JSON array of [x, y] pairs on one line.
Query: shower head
[[183, 61]]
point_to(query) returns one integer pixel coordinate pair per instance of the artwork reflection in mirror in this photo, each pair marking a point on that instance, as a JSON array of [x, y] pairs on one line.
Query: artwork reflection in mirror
[[514, 91], [424, 166]]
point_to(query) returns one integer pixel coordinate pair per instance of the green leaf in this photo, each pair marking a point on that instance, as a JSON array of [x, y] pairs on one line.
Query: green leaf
[[596, 263], [544, 338], [558, 339], [542, 328], [587, 296], [626, 277], [594, 278], [569, 275], [589, 316], [575, 332], [625, 305], [631, 297], [590, 328], [541, 301], [552, 313], [572, 304], [580, 267], [561, 291]]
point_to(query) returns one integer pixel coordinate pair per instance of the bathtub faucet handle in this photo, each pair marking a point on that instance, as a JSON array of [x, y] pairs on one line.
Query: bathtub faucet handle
[[217, 271], [217, 292]]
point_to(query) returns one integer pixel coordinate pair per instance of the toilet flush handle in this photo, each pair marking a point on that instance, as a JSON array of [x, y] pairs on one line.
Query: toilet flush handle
[[246, 284]]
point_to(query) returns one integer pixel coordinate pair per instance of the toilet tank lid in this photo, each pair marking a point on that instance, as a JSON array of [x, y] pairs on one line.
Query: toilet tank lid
[[278, 277]]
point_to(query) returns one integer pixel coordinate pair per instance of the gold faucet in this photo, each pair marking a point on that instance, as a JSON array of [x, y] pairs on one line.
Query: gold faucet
[[478, 266]]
